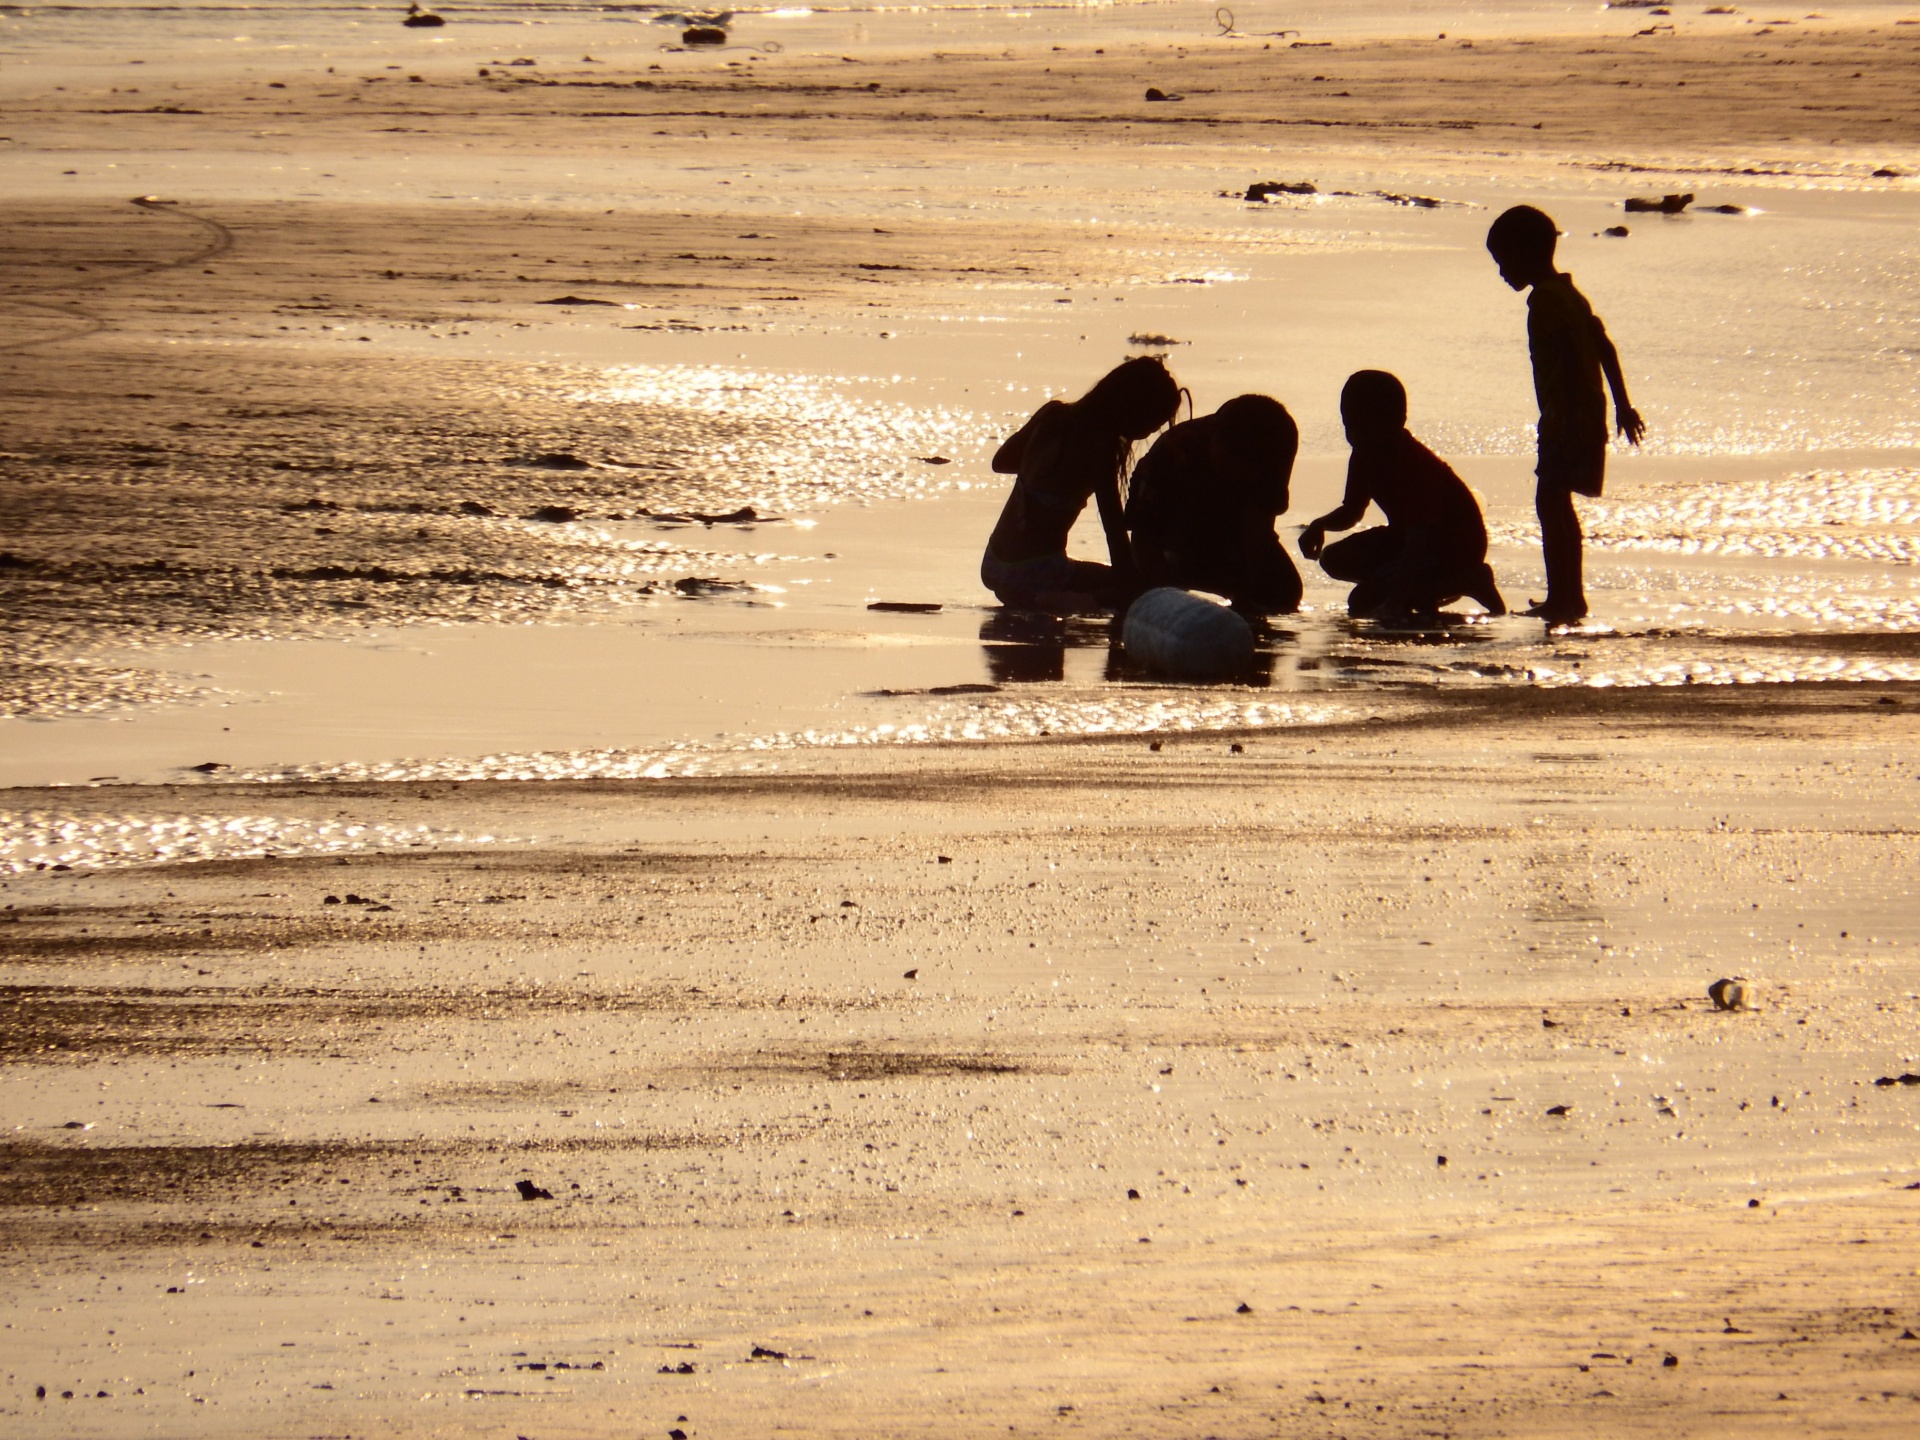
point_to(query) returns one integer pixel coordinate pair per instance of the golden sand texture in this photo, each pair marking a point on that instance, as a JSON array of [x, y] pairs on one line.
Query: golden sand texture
[[842, 1083], [1624, 97], [1001, 1089]]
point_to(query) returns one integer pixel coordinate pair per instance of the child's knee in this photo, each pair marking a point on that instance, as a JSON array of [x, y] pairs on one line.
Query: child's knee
[[1554, 503]]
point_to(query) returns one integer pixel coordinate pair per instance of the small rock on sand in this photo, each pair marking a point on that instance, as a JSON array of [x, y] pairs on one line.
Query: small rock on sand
[[1661, 205], [707, 585], [553, 460], [530, 1191], [1258, 192]]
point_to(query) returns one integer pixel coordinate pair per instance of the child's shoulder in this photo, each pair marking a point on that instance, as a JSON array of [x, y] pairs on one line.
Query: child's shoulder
[[1557, 298]]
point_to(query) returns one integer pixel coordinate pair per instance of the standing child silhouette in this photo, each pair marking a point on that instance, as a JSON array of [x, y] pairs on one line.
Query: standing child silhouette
[[1571, 351]]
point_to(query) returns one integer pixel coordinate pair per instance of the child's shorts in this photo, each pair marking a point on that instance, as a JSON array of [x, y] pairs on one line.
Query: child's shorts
[[1583, 472]]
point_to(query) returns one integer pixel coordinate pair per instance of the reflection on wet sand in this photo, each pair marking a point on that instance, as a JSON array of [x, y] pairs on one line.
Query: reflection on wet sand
[[1330, 652], [1025, 647], [530, 494]]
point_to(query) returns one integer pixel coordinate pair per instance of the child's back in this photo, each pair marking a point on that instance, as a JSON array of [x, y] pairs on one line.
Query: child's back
[[1415, 488], [1561, 338]]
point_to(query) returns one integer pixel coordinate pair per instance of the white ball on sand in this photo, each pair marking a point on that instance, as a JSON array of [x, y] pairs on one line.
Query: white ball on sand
[[1178, 633]]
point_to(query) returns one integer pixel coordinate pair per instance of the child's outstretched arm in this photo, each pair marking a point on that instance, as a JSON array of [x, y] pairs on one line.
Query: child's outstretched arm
[[1313, 538], [1344, 516], [1624, 415]]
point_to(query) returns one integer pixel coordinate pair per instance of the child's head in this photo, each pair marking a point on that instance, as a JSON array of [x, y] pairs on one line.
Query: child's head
[[1373, 406], [1253, 446], [1136, 397], [1521, 242]]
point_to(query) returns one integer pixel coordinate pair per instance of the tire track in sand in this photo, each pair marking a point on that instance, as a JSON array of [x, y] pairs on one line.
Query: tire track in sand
[[218, 240]]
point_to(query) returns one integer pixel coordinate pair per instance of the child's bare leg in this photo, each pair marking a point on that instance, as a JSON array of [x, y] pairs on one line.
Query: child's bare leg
[[1265, 580], [1560, 541], [1378, 597]]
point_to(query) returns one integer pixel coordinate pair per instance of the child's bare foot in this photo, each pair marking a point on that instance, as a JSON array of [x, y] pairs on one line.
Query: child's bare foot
[[1486, 593], [1557, 612]]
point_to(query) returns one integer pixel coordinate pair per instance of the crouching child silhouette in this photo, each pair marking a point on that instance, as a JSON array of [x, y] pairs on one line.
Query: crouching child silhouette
[[1433, 548], [1067, 453], [1201, 506], [1571, 351]]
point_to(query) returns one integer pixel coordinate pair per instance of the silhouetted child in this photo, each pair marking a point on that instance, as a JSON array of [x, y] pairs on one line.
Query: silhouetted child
[[1202, 504], [1433, 548], [1571, 351], [1067, 453]]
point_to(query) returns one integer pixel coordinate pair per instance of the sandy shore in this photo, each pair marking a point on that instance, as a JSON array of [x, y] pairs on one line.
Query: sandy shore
[[1746, 89], [1089, 1086], [866, 1067], [327, 383]]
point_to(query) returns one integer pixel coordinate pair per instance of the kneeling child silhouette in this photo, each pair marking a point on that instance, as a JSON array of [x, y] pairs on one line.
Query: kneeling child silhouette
[[1433, 548]]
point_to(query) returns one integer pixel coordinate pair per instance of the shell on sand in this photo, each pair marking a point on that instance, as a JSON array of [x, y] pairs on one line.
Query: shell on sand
[[1728, 995]]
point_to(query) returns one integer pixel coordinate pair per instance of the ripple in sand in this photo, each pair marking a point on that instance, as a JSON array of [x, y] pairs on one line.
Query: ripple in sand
[[793, 441], [1126, 711], [45, 839], [43, 688], [331, 504], [1869, 515]]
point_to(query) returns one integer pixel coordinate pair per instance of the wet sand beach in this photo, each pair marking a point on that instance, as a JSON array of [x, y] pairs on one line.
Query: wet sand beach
[[914, 1023], [1087, 1084]]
